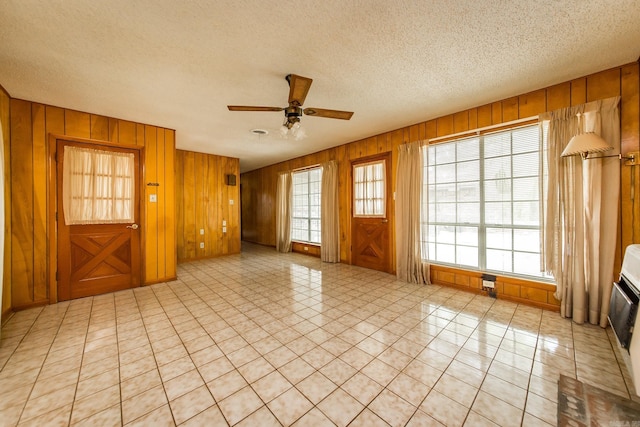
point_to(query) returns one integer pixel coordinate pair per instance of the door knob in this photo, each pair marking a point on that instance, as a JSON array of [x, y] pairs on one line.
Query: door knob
[[385, 220], [133, 226]]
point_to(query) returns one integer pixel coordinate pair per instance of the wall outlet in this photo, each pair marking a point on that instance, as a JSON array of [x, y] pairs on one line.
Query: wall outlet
[[306, 248], [488, 284], [202, 231], [230, 201], [153, 198], [201, 245], [224, 229]]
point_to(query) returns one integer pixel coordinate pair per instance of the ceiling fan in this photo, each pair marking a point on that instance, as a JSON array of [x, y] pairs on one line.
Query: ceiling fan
[[298, 89]]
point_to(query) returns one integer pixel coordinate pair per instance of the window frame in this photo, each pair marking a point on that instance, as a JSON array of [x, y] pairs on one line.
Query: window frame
[[382, 215], [309, 195], [482, 226]]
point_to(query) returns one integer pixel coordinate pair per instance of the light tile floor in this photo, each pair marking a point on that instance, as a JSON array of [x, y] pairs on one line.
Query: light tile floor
[[262, 339]]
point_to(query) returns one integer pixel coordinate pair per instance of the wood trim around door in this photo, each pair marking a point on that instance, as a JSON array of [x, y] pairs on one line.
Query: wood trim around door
[[388, 219], [52, 208]]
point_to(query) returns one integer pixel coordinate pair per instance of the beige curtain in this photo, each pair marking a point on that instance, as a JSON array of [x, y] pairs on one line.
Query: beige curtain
[[581, 212], [329, 217], [283, 212], [98, 186], [410, 266]]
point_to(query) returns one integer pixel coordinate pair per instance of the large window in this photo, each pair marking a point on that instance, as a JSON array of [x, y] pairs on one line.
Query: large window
[[305, 226], [483, 202]]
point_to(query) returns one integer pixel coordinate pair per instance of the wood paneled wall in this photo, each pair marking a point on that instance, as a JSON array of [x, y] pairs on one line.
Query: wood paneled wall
[[32, 282], [259, 186], [203, 201], [5, 120]]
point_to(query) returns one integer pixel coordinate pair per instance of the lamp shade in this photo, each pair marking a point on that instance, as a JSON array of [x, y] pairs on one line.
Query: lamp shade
[[585, 143]]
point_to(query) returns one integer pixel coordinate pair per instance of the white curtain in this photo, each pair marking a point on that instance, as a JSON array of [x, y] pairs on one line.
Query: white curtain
[[329, 216], [410, 266], [581, 218], [369, 189], [283, 212], [98, 186]]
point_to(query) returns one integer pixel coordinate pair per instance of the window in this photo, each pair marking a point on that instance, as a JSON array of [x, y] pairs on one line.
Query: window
[[369, 189], [305, 225], [98, 186], [483, 204]]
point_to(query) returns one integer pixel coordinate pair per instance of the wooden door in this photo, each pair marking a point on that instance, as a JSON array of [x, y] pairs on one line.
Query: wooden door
[[370, 238], [97, 258]]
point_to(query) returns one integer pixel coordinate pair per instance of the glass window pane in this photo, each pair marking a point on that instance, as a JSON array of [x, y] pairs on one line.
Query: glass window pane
[[526, 240], [497, 189], [525, 188], [445, 212], [468, 213], [526, 213], [526, 263], [497, 168], [468, 192], [526, 164], [467, 255], [469, 171], [445, 234], [445, 253], [468, 149], [499, 260], [467, 236], [499, 238], [446, 173], [497, 213], [497, 144], [445, 153]]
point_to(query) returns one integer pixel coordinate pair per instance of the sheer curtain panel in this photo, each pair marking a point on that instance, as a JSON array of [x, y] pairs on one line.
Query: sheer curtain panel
[[330, 216], [581, 212], [410, 266], [97, 186], [283, 212]]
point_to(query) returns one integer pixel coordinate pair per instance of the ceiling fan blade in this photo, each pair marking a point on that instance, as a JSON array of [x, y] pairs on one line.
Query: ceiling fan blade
[[248, 108], [298, 88], [331, 114]]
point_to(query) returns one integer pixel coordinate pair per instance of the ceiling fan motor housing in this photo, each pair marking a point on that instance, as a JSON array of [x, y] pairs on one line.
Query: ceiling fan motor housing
[[292, 113]]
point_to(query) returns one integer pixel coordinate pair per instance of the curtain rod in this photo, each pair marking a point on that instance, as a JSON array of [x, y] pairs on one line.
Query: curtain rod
[[478, 131]]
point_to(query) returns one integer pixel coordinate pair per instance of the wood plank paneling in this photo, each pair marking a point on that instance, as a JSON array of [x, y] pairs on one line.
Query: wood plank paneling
[[77, 124], [99, 127], [531, 104], [258, 216], [40, 180], [461, 122], [203, 202], [151, 208], [603, 85], [34, 258], [484, 116], [444, 125], [558, 96], [22, 255], [509, 110], [170, 207], [5, 121]]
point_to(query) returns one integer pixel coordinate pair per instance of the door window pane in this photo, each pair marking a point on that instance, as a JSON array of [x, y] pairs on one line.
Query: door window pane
[[369, 189]]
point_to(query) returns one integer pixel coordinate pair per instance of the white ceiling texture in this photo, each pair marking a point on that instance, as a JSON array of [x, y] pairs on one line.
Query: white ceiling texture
[[179, 63]]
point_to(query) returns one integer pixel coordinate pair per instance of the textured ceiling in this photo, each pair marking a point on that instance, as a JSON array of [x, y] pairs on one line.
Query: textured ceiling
[[178, 64]]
